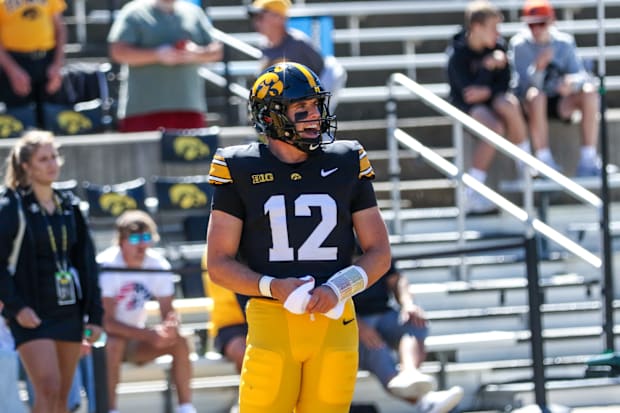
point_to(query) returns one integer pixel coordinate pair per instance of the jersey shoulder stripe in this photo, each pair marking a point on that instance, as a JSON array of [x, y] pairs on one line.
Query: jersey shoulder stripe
[[219, 173], [365, 171]]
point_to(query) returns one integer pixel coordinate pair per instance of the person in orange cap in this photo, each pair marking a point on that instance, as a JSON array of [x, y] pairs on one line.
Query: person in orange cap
[[553, 82]]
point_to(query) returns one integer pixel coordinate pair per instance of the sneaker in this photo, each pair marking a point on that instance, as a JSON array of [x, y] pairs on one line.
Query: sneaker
[[441, 401], [551, 163], [410, 385], [592, 168], [186, 408], [476, 204]]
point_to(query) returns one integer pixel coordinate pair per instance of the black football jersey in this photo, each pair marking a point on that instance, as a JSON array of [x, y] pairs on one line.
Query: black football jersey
[[297, 217]]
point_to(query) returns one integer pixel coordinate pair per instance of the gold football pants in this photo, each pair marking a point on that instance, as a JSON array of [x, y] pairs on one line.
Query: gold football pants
[[298, 363]]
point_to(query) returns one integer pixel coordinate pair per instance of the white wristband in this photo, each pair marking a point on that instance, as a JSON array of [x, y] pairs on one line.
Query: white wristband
[[348, 282], [264, 286]]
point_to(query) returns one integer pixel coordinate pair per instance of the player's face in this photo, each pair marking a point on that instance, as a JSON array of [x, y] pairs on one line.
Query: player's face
[[306, 115], [134, 247], [44, 165]]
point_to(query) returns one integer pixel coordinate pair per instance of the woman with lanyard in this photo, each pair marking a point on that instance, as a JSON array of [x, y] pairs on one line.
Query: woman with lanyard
[[48, 272]]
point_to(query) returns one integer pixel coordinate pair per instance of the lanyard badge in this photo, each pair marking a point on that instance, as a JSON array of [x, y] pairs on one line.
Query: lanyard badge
[[64, 279], [65, 288]]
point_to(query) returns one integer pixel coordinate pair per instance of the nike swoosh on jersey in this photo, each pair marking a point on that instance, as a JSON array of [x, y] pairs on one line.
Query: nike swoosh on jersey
[[349, 321], [328, 172]]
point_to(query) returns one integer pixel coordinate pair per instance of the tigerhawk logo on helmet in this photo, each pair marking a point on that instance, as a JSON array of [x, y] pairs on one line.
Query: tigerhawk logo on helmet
[[274, 90]]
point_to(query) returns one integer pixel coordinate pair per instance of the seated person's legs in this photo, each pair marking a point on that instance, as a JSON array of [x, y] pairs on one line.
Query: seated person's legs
[[585, 101], [483, 155], [230, 342], [142, 352], [115, 353], [537, 107], [409, 383], [508, 109]]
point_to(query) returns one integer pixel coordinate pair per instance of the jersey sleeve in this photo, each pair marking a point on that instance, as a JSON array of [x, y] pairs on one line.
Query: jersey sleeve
[[364, 195], [366, 169], [225, 196]]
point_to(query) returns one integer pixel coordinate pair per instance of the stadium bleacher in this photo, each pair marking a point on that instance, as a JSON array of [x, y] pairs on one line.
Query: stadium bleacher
[[373, 39]]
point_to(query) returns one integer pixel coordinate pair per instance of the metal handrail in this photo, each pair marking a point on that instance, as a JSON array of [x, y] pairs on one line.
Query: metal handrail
[[460, 120]]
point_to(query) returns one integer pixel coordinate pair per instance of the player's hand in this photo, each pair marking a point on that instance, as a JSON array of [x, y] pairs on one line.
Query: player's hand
[[322, 299], [27, 318], [476, 94], [369, 337], [20, 81], [281, 288]]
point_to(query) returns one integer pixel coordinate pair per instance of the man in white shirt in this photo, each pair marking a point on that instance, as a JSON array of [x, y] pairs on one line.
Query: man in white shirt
[[125, 294]]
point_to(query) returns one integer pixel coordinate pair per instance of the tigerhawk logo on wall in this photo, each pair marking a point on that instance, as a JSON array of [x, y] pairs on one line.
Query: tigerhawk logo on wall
[[116, 203], [10, 126], [191, 148], [72, 122], [187, 196]]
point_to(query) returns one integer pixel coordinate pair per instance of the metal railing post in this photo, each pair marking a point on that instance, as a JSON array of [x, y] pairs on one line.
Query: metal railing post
[[394, 165], [536, 339], [459, 161], [100, 371]]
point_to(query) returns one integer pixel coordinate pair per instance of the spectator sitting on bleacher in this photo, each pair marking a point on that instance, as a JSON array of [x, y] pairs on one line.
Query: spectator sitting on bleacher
[[161, 44], [389, 321], [479, 77], [270, 18], [32, 40], [125, 294], [552, 81]]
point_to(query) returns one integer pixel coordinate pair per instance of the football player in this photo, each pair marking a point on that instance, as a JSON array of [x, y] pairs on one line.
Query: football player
[[284, 218]]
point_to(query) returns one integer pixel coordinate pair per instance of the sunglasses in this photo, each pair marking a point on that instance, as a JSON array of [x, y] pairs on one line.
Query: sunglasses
[[537, 24], [135, 239]]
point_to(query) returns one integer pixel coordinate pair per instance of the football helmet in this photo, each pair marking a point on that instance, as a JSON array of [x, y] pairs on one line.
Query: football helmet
[[274, 90]]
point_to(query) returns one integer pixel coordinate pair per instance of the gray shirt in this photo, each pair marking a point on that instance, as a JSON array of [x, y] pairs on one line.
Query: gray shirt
[[296, 47], [523, 52], [156, 87]]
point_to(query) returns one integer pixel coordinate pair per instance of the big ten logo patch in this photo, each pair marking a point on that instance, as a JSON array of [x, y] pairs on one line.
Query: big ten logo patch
[[10, 126], [116, 203], [191, 148], [260, 178], [187, 196], [71, 122]]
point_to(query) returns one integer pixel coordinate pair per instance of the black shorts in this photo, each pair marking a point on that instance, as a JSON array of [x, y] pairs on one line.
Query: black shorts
[[35, 64], [63, 328], [553, 108], [226, 334]]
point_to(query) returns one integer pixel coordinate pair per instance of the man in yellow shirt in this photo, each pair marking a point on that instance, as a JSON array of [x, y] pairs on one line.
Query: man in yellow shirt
[[32, 39]]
